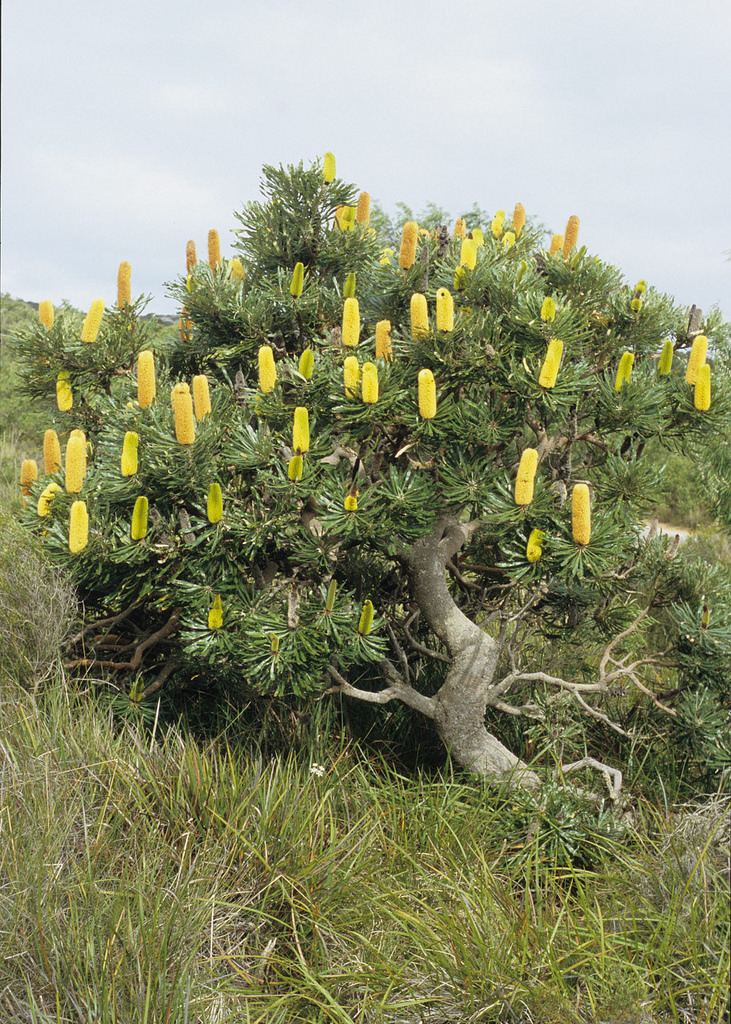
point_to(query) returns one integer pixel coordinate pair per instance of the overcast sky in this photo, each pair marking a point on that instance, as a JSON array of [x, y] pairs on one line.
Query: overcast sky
[[131, 127]]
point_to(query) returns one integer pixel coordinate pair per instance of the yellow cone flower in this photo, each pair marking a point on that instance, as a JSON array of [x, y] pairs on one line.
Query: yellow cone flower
[[385, 257], [548, 310], [445, 310], [635, 305], [351, 376], [146, 382], [369, 388], [328, 167], [297, 284], [641, 287], [508, 240], [215, 613], [214, 249], [64, 393], [350, 286], [363, 209], [28, 475], [295, 467], [518, 219], [556, 244], [624, 370], [75, 470], [183, 414], [525, 477], [409, 238], [45, 501], [78, 527], [460, 228], [665, 363], [365, 625], [351, 322], [534, 547], [301, 431], [138, 526], [478, 237], [468, 253], [45, 313], [497, 223], [702, 389], [427, 392], [201, 396], [236, 269], [383, 340], [130, 460], [419, 316], [51, 452], [581, 514], [93, 321], [124, 284], [214, 504], [190, 256], [350, 504], [345, 217], [697, 357], [571, 235], [306, 364], [267, 369], [551, 364]]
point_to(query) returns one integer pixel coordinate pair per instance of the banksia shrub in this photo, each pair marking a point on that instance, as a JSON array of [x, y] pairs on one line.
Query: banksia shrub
[[518, 219], [328, 167], [301, 431], [556, 244], [696, 359], [215, 613], [146, 382], [75, 469], [534, 547], [306, 365], [427, 393], [548, 310], [624, 370], [236, 269], [571, 235], [468, 253], [129, 461], [214, 249], [297, 283], [190, 256], [201, 396], [581, 514], [351, 376], [445, 310], [525, 477], [369, 388], [45, 313], [363, 209], [78, 527], [295, 467], [124, 285], [93, 321], [384, 349], [551, 364], [183, 414], [267, 369], [419, 316], [28, 475], [140, 512], [365, 624], [351, 322], [702, 389], [45, 500], [64, 392], [409, 238], [51, 452], [665, 363], [214, 503]]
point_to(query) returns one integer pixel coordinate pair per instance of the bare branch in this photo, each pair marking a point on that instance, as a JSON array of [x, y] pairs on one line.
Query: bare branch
[[398, 690], [612, 776]]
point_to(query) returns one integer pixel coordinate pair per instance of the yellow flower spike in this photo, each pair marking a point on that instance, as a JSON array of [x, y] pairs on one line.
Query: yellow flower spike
[[624, 370], [78, 527], [641, 287], [297, 283], [702, 389], [351, 322], [459, 279], [351, 376], [350, 504], [508, 240], [445, 310], [478, 237], [363, 209], [301, 431], [45, 501], [214, 249], [518, 219], [295, 467], [556, 244], [571, 235], [185, 328], [75, 469], [365, 625], [183, 414], [696, 359], [345, 217], [427, 394], [409, 238], [267, 370], [93, 321], [28, 475], [215, 613], [419, 316], [51, 452], [201, 397], [525, 477], [460, 228], [130, 460], [534, 547], [581, 514], [328, 167], [214, 504], [369, 388], [138, 526], [330, 597], [665, 363], [468, 253], [385, 257], [190, 256], [236, 269], [497, 223], [124, 284], [384, 349], [274, 645], [306, 364], [551, 364], [635, 305], [548, 310], [350, 286], [146, 379], [45, 313]]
